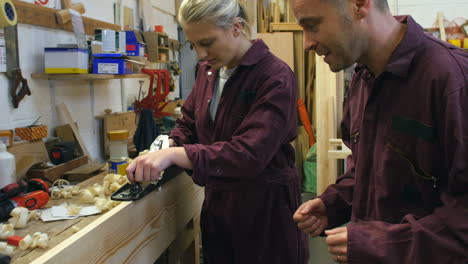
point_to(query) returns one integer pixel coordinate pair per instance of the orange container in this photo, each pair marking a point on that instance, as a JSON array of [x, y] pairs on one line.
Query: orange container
[[32, 132], [159, 28]]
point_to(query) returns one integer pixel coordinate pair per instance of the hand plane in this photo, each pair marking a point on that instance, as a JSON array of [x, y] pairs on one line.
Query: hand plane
[[136, 191]]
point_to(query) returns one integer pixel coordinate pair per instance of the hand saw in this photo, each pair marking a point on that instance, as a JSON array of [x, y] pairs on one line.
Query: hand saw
[[136, 191], [18, 86]]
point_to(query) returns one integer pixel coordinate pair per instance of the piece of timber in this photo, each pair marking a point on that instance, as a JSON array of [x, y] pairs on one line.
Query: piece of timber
[[46, 17], [285, 26], [132, 232], [86, 76]]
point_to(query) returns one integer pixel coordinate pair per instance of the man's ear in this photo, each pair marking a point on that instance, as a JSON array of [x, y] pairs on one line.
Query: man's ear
[[361, 7]]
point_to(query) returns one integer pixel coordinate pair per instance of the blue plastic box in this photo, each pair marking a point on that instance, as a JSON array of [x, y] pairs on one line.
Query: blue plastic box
[[135, 45], [111, 63]]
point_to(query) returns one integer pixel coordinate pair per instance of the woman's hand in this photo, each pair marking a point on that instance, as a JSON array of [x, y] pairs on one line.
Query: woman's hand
[[150, 166]]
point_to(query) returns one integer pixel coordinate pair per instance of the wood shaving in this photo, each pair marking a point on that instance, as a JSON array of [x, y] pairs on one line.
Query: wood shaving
[[6, 230], [6, 249], [26, 242], [19, 217], [73, 209], [75, 229]]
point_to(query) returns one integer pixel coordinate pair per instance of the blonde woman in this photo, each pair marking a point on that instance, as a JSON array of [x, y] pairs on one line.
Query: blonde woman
[[234, 135]]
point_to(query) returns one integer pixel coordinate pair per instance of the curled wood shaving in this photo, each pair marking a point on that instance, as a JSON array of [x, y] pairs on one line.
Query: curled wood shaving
[[6, 230], [73, 209], [75, 229], [6, 249], [26, 242], [19, 217]]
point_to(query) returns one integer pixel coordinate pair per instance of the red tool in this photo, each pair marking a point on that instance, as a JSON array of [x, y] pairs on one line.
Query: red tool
[[155, 102], [304, 116], [32, 195]]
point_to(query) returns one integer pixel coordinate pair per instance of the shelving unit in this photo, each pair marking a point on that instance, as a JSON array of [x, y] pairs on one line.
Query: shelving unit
[[158, 46], [86, 77]]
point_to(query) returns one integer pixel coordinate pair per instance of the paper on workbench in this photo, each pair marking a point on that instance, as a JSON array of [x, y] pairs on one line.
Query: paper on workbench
[[61, 213]]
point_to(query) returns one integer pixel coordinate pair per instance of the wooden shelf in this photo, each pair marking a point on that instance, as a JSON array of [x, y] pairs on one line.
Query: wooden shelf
[[86, 77], [160, 61], [163, 48]]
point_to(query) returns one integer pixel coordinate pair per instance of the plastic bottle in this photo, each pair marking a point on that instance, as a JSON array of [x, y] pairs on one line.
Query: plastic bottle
[[7, 166]]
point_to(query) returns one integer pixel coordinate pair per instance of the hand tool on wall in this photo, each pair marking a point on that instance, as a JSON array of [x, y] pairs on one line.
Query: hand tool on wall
[[136, 191], [8, 22], [156, 95], [18, 85]]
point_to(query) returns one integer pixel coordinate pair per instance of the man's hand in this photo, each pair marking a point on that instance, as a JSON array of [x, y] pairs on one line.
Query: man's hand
[[148, 167], [337, 241], [311, 217]]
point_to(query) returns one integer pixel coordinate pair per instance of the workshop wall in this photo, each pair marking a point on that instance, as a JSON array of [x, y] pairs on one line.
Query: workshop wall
[[84, 99], [425, 11]]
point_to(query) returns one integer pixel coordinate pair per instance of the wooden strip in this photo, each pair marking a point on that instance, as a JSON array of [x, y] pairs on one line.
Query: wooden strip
[[325, 93], [86, 77], [338, 154], [57, 172], [133, 232], [441, 24], [69, 120], [285, 26], [46, 17]]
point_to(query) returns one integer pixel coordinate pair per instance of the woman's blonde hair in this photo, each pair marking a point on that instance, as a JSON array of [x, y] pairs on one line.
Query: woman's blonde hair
[[221, 13]]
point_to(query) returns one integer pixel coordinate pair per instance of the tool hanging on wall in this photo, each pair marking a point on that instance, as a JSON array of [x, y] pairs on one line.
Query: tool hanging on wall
[[8, 19], [155, 101]]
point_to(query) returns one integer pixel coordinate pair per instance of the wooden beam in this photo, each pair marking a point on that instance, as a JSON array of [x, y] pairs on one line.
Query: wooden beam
[[441, 24], [327, 84], [69, 120], [285, 26], [46, 17]]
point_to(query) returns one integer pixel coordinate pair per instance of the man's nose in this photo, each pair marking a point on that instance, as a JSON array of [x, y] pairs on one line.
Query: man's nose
[[309, 41]]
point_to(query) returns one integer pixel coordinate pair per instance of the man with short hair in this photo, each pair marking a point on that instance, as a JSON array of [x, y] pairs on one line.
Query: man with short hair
[[405, 190]]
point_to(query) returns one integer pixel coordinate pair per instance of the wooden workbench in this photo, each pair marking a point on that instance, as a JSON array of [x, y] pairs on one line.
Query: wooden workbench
[[132, 232]]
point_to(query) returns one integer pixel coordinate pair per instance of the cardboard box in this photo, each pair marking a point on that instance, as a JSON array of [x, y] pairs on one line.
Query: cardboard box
[[32, 132], [6, 136], [111, 63], [66, 60], [135, 46]]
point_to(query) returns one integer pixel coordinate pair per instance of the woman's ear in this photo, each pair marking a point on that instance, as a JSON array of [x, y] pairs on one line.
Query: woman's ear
[[237, 26]]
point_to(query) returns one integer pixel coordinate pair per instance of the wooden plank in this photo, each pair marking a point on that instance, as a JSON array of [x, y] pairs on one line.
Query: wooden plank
[[45, 17], [66, 4], [285, 26], [185, 248], [118, 121], [69, 120], [299, 64], [441, 25], [86, 77], [132, 232], [65, 133], [58, 231], [326, 87], [281, 44], [27, 154], [56, 172]]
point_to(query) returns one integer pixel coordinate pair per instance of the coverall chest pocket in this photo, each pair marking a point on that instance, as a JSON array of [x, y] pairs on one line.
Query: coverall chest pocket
[[411, 154]]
